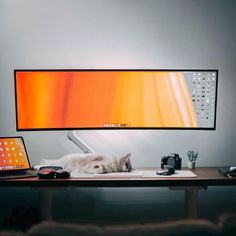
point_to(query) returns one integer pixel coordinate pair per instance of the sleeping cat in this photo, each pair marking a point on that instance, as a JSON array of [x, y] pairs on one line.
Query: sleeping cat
[[92, 163]]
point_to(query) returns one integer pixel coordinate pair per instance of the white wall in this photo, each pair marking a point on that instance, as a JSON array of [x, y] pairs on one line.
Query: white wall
[[123, 34]]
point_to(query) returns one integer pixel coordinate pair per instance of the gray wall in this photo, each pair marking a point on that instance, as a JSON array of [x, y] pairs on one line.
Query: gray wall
[[123, 34]]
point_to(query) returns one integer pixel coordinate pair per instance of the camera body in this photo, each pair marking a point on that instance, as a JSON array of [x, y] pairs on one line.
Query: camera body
[[173, 160]]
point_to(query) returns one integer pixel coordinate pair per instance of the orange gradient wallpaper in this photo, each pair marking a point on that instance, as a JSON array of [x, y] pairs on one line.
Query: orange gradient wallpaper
[[103, 99]]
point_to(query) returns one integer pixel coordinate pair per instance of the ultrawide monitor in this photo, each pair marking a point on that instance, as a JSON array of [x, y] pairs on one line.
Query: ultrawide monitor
[[115, 99]]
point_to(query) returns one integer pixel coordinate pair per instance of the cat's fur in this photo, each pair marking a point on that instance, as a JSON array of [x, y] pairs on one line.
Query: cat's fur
[[92, 163]]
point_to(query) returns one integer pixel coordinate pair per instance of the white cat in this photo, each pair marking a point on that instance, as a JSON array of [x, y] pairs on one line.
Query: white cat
[[92, 163]]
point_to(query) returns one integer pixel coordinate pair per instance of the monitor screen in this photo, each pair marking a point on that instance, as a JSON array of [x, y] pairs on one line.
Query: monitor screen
[[115, 99]]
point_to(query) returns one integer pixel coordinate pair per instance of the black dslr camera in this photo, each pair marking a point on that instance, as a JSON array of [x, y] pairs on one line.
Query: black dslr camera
[[172, 160]]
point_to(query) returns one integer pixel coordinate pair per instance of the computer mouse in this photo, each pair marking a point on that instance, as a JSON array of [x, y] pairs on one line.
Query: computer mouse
[[232, 168], [63, 174], [51, 167], [46, 174]]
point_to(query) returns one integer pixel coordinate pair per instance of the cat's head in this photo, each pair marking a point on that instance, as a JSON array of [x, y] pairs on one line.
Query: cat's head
[[102, 164], [124, 163]]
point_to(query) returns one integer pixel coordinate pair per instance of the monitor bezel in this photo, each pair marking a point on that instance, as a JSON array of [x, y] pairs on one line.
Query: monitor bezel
[[115, 128]]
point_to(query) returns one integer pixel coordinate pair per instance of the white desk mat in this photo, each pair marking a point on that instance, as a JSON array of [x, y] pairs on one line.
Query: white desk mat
[[138, 174], [177, 174]]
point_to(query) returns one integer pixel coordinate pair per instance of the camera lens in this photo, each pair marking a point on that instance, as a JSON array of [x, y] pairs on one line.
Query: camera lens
[[171, 161]]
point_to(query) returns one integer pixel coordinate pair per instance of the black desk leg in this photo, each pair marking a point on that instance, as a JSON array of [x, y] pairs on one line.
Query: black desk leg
[[191, 202], [45, 204]]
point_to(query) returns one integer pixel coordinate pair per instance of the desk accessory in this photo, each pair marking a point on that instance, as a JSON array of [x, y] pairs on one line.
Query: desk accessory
[[192, 157], [41, 167], [170, 170], [50, 173], [46, 174], [62, 174], [227, 171], [232, 168], [172, 160]]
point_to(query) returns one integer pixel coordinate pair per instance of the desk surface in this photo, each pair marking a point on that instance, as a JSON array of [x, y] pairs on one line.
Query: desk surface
[[206, 176]]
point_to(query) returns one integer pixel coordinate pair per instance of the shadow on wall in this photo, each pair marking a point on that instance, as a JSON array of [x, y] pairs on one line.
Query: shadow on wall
[[147, 147]]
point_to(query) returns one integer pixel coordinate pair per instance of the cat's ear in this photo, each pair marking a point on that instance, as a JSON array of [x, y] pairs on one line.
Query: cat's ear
[[127, 157]]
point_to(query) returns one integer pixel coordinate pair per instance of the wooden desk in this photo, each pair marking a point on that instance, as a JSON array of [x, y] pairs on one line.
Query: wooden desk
[[206, 176]]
